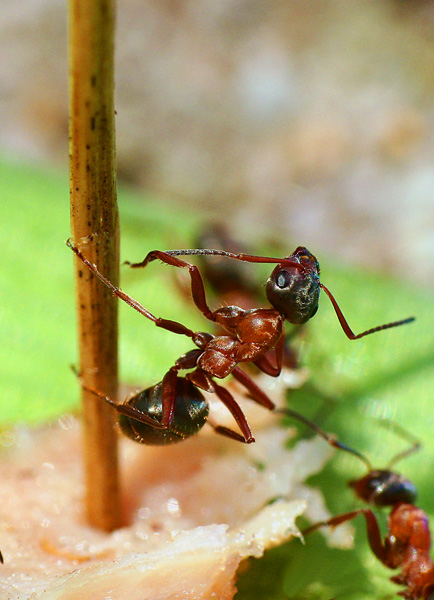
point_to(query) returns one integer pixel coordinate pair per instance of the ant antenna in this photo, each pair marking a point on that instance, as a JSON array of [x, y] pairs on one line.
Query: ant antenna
[[347, 330], [329, 438], [333, 441], [400, 432], [251, 258]]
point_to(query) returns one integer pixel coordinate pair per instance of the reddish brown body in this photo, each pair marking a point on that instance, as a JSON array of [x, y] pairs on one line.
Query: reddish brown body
[[253, 333], [407, 547]]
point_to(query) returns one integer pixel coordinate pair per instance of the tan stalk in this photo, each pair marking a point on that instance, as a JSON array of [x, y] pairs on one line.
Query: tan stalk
[[95, 231]]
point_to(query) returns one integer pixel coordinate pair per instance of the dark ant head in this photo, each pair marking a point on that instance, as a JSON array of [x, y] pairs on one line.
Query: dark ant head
[[384, 488], [295, 292]]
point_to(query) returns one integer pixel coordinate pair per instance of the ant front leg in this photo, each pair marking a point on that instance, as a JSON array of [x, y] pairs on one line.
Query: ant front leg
[[373, 531], [197, 286], [167, 324]]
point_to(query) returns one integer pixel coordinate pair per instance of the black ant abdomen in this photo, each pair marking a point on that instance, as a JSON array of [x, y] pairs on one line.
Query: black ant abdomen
[[189, 416]]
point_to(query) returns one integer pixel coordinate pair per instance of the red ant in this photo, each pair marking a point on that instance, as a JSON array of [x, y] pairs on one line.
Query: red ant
[[408, 541], [292, 289]]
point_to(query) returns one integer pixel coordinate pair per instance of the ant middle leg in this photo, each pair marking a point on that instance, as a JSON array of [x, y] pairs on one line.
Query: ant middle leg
[[235, 410], [233, 435]]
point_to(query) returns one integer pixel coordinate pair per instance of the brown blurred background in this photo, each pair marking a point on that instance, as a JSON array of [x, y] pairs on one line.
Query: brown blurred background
[[308, 120]]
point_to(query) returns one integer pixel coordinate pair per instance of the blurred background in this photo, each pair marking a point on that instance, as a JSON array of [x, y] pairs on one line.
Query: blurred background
[[302, 119], [292, 122]]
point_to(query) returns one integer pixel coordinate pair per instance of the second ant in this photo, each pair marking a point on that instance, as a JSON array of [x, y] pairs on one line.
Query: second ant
[[407, 543]]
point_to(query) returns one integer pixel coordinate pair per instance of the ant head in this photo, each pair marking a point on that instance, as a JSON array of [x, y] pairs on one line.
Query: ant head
[[384, 488], [293, 291]]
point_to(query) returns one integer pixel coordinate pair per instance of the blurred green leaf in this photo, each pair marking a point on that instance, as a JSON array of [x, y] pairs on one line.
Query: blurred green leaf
[[389, 374]]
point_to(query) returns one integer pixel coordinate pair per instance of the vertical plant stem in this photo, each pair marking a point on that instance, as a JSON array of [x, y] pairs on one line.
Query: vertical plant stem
[[95, 231]]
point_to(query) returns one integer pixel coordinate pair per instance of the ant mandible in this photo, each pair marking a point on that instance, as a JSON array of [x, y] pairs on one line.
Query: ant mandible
[[408, 541], [293, 291]]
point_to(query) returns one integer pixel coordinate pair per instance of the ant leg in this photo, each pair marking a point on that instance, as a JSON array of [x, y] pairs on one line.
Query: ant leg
[[186, 361], [263, 363], [373, 531], [126, 409], [197, 286], [348, 332], [230, 403], [168, 394], [256, 393], [167, 324], [227, 432], [204, 381]]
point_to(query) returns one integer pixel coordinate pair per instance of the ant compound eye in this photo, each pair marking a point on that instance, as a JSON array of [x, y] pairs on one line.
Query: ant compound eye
[[283, 279]]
